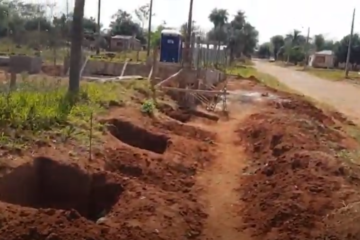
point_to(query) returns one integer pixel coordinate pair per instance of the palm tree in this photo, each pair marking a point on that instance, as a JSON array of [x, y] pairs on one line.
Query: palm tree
[[76, 42], [236, 35], [293, 40], [277, 43], [219, 17]]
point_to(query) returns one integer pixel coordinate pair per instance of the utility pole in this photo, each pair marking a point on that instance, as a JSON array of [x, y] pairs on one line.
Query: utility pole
[[349, 47], [149, 28], [98, 29], [67, 9], [188, 37], [307, 49], [8, 23], [39, 29]]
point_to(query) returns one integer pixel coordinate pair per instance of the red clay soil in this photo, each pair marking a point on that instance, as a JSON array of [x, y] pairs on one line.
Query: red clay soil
[[185, 115], [294, 178], [52, 70], [132, 189]]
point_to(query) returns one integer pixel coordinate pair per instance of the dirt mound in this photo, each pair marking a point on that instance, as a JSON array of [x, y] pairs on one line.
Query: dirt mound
[[293, 180], [48, 224], [170, 174], [301, 106], [185, 115], [52, 70], [273, 133]]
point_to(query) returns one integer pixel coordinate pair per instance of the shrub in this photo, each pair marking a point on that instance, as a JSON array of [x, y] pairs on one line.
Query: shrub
[[148, 107]]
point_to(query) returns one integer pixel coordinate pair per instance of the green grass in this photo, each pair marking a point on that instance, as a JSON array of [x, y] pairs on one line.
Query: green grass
[[40, 109], [332, 74], [264, 78]]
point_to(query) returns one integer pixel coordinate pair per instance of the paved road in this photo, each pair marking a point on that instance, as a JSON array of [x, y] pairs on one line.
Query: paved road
[[343, 96]]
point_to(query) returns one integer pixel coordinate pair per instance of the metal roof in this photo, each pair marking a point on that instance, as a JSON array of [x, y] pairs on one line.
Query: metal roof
[[170, 32], [325, 52], [121, 37]]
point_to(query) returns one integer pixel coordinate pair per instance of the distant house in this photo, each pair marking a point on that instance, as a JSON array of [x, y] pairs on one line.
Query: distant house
[[322, 59], [123, 43]]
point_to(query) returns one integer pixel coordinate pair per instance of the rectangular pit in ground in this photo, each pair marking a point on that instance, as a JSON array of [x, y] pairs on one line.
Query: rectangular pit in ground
[[137, 137], [49, 184]]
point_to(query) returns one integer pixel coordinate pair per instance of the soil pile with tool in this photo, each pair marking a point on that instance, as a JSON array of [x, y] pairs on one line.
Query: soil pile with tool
[[295, 174]]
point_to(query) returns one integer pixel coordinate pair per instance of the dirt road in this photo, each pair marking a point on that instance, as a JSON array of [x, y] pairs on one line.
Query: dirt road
[[343, 96], [221, 181]]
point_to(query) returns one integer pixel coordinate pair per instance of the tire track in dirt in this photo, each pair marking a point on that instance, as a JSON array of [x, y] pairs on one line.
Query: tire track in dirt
[[219, 183]]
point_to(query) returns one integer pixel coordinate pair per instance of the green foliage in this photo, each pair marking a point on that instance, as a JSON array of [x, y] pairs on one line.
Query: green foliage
[[42, 106], [123, 24], [264, 50], [292, 47], [148, 107], [238, 34], [263, 78], [18, 18]]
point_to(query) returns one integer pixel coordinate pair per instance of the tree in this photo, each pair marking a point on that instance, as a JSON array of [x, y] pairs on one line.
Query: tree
[[342, 47], [293, 43], [295, 38], [143, 14], [76, 43], [264, 50], [156, 36], [123, 24], [219, 18], [242, 36], [277, 42], [183, 28], [249, 38], [319, 42]]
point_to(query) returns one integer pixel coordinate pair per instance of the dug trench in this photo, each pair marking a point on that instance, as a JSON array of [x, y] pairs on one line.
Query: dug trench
[[296, 172], [137, 137], [169, 158], [272, 172], [135, 192], [46, 183]]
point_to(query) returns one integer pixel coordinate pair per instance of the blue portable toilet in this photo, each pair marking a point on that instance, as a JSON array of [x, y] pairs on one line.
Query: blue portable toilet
[[170, 46]]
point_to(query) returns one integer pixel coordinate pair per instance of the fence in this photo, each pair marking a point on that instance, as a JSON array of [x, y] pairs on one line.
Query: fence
[[207, 53]]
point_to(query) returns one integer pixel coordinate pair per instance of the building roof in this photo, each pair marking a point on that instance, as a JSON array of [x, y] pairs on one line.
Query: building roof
[[121, 37], [325, 52], [170, 32], [124, 37]]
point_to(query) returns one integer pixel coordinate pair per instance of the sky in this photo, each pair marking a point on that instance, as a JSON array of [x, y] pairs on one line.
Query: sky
[[331, 18]]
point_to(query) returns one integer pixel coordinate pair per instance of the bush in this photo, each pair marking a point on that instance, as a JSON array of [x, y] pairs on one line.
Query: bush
[[148, 107]]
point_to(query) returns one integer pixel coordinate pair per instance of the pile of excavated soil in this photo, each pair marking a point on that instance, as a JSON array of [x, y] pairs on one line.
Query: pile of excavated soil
[[52, 70], [142, 186], [185, 115], [294, 176]]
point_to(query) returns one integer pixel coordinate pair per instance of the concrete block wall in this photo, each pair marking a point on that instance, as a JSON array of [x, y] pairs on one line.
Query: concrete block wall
[[95, 67], [19, 64]]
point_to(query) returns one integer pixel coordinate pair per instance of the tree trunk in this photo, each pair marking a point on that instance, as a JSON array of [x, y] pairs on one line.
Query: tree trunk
[[76, 43]]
